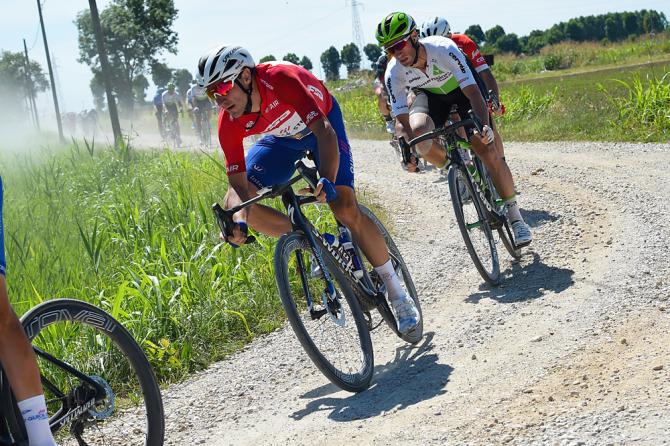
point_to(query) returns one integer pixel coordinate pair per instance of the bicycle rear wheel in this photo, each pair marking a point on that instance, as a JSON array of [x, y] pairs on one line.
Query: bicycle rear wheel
[[129, 411], [473, 224], [401, 269], [333, 332]]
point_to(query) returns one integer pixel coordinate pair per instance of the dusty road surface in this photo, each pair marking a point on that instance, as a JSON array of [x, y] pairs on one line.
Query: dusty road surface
[[572, 348]]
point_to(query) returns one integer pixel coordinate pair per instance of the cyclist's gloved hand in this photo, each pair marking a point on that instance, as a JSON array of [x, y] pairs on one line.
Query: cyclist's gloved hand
[[487, 134], [325, 191], [239, 236]]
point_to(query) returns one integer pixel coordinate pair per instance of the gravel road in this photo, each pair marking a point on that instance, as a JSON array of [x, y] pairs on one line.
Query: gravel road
[[572, 348]]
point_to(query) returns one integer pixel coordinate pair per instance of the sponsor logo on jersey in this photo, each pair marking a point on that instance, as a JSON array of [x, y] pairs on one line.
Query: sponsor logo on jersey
[[278, 121], [249, 124], [272, 105], [310, 116], [233, 168], [458, 61], [414, 79], [390, 90], [315, 91], [267, 84], [437, 71], [258, 168]]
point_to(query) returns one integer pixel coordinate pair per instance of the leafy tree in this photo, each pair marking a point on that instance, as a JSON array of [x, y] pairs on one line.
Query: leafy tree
[[160, 74], [292, 57], [14, 86], [182, 79], [574, 30], [331, 62], [613, 28], [306, 63], [351, 58], [554, 35], [98, 91], [534, 42], [268, 58], [493, 34], [135, 33], [509, 43], [140, 85], [476, 34], [372, 52]]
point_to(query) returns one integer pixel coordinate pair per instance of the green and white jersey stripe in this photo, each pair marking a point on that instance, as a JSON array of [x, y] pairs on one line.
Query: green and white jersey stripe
[[446, 70]]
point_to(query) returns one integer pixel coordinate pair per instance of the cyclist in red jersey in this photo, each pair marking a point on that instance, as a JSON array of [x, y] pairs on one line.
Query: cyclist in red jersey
[[296, 112]]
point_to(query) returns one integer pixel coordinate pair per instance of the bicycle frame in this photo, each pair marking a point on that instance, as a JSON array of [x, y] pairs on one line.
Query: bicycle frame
[[292, 202]]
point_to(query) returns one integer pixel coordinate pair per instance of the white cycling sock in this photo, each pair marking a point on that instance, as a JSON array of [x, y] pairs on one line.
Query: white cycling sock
[[36, 418], [391, 280], [512, 206]]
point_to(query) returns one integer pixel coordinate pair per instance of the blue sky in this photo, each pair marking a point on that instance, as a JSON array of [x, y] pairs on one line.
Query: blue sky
[[276, 27]]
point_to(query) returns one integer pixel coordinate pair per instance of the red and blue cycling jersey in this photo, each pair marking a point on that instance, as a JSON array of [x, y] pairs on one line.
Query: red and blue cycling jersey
[[291, 99]]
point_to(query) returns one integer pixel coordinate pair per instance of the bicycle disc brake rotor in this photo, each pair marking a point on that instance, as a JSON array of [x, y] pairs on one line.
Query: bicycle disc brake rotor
[[106, 407], [331, 300]]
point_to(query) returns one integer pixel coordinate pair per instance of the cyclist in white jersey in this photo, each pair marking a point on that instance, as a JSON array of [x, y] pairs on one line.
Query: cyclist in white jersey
[[436, 70], [172, 105]]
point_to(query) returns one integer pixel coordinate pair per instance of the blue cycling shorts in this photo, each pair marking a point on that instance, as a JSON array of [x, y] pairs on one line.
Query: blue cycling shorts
[[3, 264], [271, 160]]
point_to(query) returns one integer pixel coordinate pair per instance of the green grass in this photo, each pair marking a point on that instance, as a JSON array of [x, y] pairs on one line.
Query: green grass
[[132, 232], [616, 105]]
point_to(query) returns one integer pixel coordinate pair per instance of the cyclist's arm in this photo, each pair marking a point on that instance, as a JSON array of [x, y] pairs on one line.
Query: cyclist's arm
[[477, 102], [238, 192], [490, 81], [402, 128], [326, 141]]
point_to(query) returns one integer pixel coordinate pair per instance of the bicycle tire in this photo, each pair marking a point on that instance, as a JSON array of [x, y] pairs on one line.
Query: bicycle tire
[[504, 231], [296, 243], [459, 173], [415, 335], [55, 311]]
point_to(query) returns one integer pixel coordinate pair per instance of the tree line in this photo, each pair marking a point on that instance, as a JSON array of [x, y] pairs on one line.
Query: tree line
[[611, 27]]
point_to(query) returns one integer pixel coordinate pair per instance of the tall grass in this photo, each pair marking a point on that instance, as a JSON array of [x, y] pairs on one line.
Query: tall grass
[[132, 232], [646, 107]]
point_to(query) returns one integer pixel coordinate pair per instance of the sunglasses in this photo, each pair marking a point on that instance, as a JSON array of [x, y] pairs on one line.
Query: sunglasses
[[399, 45], [217, 91]]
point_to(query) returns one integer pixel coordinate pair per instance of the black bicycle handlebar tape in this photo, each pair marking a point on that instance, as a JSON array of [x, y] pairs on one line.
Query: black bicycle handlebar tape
[[226, 223], [404, 149]]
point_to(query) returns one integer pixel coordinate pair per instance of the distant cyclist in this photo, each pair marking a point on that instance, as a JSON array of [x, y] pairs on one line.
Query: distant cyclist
[[158, 106], [382, 94], [172, 106], [200, 105], [18, 360]]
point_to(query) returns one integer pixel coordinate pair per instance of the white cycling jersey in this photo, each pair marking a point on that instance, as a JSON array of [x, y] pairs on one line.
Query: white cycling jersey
[[170, 98], [446, 70]]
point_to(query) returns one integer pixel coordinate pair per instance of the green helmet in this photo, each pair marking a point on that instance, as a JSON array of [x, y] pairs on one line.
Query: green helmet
[[170, 86], [394, 26]]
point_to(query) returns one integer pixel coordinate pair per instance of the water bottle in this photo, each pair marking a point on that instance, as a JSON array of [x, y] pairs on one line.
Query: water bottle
[[349, 247], [474, 172]]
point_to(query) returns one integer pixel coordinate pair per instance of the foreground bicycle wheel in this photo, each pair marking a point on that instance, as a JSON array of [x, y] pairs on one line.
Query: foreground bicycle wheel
[[334, 333], [474, 225], [92, 342], [400, 267]]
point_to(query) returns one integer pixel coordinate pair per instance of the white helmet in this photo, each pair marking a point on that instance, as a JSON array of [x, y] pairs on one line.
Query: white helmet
[[437, 26], [223, 63]]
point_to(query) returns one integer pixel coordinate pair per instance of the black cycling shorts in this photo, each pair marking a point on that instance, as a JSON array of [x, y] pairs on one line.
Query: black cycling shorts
[[439, 106]]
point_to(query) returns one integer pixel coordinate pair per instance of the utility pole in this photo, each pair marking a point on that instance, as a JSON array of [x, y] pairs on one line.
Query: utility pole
[[51, 74], [106, 75], [31, 91], [357, 29]]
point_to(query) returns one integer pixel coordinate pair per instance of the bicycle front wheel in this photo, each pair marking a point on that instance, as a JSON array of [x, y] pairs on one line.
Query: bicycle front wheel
[[333, 331], [126, 406], [473, 224]]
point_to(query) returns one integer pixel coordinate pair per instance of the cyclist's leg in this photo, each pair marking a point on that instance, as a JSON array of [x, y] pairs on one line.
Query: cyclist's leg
[[425, 111], [19, 362], [270, 161]]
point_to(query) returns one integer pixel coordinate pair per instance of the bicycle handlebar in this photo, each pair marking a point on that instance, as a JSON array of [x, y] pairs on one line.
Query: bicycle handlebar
[[224, 217], [443, 130]]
